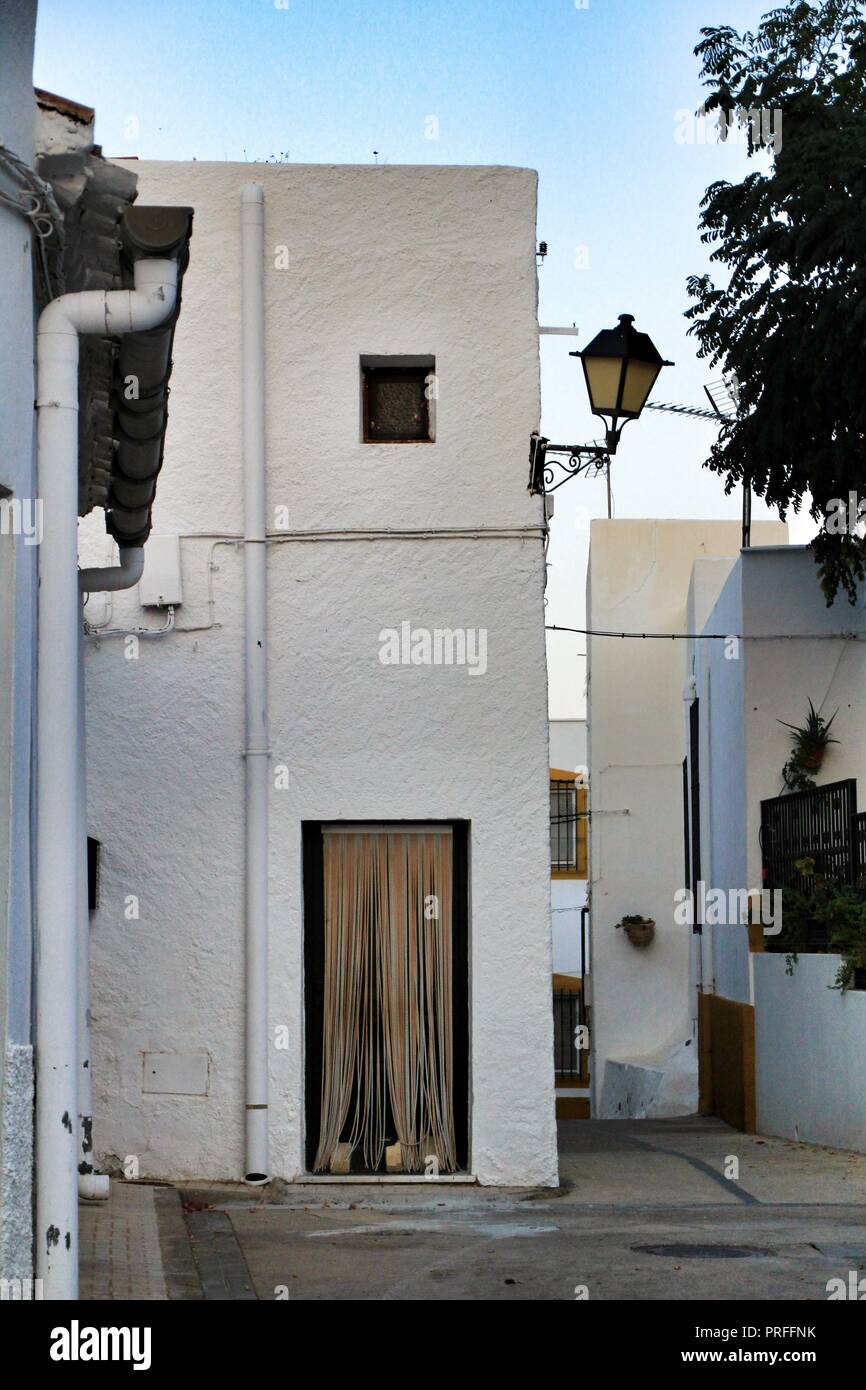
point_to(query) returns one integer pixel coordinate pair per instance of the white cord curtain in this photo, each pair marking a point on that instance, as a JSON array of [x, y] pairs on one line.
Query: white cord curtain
[[387, 1042]]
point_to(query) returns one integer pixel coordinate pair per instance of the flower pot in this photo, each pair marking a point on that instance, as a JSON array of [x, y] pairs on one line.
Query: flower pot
[[640, 933], [811, 759]]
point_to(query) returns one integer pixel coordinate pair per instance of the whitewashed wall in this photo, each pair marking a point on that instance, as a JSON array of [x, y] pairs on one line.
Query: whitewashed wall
[[782, 599], [792, 653], [567, 895], [720, 681], [810, 1042], [809, 1039], [639, 578], [381, 260]]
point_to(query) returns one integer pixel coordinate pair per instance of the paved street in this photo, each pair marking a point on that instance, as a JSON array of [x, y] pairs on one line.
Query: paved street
[[645, 1211]]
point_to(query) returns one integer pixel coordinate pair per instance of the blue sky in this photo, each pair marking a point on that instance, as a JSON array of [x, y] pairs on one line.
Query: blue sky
[[592, 97]]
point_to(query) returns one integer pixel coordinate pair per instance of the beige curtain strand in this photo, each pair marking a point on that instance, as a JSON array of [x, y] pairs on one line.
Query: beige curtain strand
[[388, 998]]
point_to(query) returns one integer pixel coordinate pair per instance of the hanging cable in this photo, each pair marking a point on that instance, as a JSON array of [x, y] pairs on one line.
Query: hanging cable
[[36, 203], [717, 636]]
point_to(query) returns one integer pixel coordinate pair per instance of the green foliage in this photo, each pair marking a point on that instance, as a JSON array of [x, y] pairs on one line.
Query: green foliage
[[841, 913], [797, 916], [810, 743], [790, 323], [796, 778]]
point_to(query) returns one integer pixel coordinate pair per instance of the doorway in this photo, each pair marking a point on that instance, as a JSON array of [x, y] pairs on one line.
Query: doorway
[[386, 998]]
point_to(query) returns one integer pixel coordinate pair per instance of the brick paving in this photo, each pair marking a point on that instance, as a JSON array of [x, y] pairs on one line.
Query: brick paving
[[120, 1249]]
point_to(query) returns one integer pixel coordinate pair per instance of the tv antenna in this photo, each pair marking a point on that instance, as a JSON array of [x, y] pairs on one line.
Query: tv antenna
[[724, 399]]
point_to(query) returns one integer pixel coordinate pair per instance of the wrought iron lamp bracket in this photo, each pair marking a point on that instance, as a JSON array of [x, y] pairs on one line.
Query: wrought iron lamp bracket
[[547, 461]]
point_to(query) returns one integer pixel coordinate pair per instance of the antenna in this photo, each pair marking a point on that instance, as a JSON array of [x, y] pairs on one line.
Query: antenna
[[724, 397]]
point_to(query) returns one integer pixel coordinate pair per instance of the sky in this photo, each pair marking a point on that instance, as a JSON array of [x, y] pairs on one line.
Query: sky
[[594, 94]]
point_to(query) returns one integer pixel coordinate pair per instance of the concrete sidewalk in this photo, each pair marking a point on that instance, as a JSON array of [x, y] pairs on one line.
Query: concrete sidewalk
[[645, 1211], [136, 1246]]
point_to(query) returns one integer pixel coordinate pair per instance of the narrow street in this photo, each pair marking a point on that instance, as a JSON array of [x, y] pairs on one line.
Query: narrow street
[[645, 1211]]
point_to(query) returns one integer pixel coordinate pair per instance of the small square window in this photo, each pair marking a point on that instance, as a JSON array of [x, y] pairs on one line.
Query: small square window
[[398, 400]]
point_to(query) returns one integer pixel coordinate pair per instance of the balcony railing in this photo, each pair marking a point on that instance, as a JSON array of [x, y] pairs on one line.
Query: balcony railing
[[819, 830]]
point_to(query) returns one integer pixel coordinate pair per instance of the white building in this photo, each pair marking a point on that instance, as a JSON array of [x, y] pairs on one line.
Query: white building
[[643, 998], [781, 1050], [568, 912], [399, 304], [568, 849]]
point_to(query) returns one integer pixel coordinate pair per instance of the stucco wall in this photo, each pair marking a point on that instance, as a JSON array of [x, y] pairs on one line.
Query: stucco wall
[[802, 659], [567, 895], [810, 1039], [568, 744], [17, 652], [810, 1042], [639, 578], [567, 898], [793, 651], [386, 260], [719, 670]]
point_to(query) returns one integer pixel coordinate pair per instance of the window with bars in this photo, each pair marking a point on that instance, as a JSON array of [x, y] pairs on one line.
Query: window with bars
[[567, 827]]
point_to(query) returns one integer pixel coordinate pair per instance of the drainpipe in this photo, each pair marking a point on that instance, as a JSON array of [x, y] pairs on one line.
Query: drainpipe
[[697, 930], [59, 857], [256, 1165], [91, 1185], [123, 576]]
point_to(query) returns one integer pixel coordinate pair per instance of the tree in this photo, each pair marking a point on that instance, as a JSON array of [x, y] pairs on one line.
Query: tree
[[790, 324]]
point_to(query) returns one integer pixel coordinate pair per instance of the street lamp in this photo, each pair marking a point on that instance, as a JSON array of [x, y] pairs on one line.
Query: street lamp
[[620, 367]]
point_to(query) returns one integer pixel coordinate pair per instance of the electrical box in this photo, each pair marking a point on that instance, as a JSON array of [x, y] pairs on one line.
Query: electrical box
[[175, 1074], [160, 586]]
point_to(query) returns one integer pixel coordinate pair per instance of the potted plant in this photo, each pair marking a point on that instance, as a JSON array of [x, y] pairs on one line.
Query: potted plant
[[811, 741], [639, 930], [838, 912]]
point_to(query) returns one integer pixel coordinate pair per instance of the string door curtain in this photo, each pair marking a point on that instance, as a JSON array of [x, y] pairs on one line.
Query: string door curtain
[[387, 1049]]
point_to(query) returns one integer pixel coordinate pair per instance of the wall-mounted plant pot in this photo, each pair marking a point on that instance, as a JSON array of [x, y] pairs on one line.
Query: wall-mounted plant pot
[[639, 933], [812, 761]]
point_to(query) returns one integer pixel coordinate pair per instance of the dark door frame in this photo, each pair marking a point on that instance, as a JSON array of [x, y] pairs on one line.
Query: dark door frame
[[314, 968]]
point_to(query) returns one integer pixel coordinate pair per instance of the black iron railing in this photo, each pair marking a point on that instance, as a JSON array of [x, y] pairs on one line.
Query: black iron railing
[[821, 826], [812, 837], [563, 825], [570, 1058]]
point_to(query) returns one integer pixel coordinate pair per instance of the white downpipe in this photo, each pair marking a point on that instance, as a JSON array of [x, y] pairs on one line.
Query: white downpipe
[[59, 854], [94, 1187], [256, 1161], [122, 576]]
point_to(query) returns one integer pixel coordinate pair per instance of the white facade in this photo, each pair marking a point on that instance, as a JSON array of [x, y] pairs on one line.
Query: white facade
[[382, 261], [643, 1032], [567, 895], [17, 649], [810, 1040]]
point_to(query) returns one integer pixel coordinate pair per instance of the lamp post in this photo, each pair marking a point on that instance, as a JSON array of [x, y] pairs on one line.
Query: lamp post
[[620, 367]]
